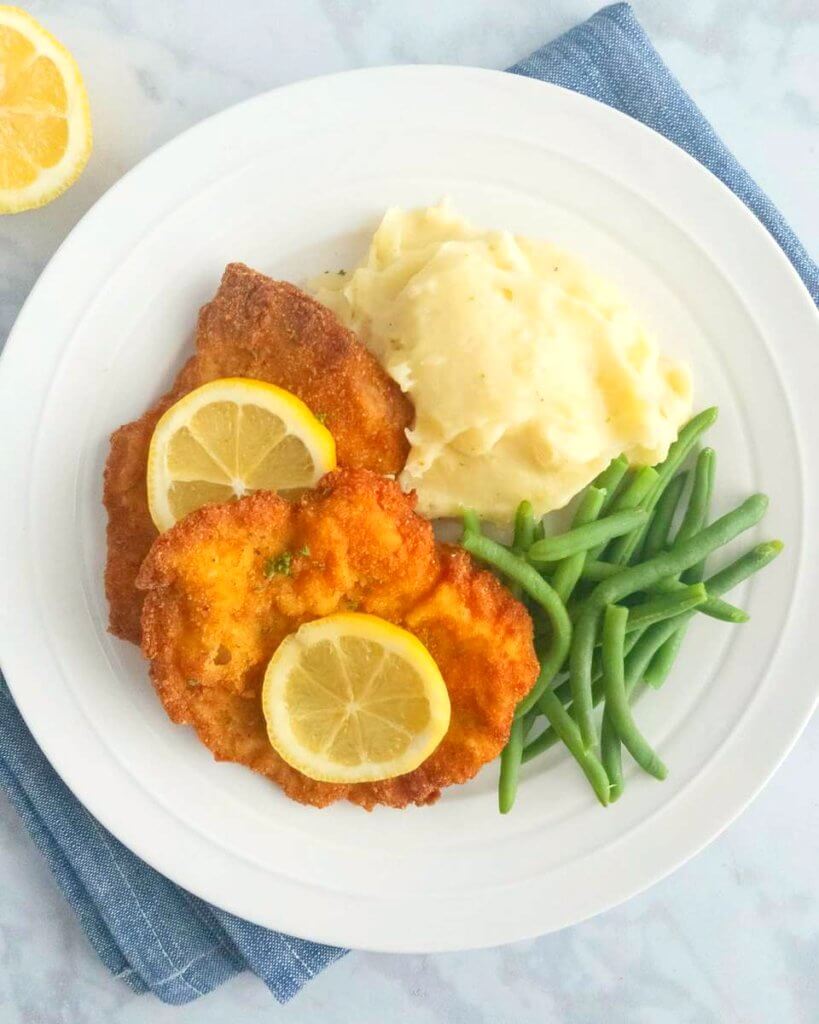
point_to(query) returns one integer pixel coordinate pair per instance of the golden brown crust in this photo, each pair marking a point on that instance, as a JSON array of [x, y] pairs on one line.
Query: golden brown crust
[[207, 596], [254, 327]]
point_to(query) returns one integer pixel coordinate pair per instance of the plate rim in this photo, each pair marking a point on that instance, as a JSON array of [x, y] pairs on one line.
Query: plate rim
[[14, 664]]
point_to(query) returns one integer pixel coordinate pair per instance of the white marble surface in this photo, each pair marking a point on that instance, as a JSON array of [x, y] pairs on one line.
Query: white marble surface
[[733, 936]]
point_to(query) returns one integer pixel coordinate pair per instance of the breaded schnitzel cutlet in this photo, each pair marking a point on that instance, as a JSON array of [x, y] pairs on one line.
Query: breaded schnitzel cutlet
[[270, 330], [212, 619]]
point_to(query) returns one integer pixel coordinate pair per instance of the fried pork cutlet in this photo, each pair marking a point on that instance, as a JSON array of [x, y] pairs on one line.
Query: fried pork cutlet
[[213, 618], [254, 327]]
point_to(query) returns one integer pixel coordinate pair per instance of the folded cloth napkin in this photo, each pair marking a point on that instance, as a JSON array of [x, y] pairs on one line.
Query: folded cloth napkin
[[148, 931]]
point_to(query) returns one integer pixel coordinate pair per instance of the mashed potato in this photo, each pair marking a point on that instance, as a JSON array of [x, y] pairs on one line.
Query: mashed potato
[[528, 373]]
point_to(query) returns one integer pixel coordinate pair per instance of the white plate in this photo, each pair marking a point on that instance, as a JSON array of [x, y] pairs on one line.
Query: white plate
[[292, 183]]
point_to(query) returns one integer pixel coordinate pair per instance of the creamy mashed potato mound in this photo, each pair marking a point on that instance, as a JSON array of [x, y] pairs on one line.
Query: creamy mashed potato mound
[[528, 372]]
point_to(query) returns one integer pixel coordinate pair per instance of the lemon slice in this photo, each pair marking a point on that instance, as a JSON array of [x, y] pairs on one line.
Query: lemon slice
[[45, 123], [353, 698], [229, 438]]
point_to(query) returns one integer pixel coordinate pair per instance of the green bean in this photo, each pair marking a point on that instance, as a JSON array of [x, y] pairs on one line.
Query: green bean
[[659, 669], [549, 737], [610, 479], [596, 571], [544, 678], [696, 514], [510, 768], [597, 659], [636, 663], [618, 710], [636, 490], [666, 606], [611, 755], [524, 535], [640, 577], [542, 594], [624, 547], [731, 576], [739, 571], [564, 691], [631, 496], [470, 520], [728, 578], [581, 538], [713, 606], [566, 729], [637, 660], [567, 572], [524, 528], [659, 529]]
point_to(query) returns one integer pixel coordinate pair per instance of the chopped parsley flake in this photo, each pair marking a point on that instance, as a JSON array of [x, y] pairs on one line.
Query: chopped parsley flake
[[278, 565], [282, 565], [321, 416]]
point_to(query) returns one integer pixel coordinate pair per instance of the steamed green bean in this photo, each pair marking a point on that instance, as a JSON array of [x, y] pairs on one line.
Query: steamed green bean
[[510, 762], [581, 538], [630, 496], [641, 577], [563, 693], [666, 606], [696, 516], [470, 520], [541, 593], [636, 663], [524, 528], [713, 606], [523, 536], [696, 513], [624, 547], [628, 619], [567, 572], [659, 529], [610, 479], [566, 729], [731, 576], [618, 710], [611, 755]]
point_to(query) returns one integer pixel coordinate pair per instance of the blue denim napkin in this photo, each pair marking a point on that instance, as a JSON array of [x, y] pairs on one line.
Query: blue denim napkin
[[152, 934]]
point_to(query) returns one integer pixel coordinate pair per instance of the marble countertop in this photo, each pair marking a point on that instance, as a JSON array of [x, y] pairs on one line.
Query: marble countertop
[[734, 935]]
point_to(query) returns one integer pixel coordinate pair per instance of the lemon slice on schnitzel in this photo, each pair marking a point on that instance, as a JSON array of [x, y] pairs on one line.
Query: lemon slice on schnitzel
[[45, 123], [229, 438], [354, 698]]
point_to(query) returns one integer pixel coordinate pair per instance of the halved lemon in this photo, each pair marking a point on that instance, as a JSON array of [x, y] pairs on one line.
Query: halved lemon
[[45, 122], [354, 698], [229, 438]]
